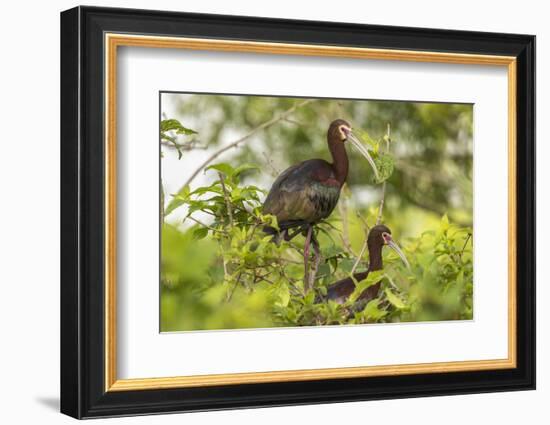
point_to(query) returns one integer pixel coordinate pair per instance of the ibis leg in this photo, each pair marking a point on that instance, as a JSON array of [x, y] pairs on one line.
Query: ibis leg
[[306, 257], [316, 260]]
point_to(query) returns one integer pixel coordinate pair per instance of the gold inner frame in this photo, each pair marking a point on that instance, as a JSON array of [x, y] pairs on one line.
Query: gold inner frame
[[113, 41]]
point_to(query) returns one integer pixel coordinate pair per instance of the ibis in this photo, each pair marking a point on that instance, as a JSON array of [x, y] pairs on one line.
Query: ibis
[[306, 193], [378, 237]]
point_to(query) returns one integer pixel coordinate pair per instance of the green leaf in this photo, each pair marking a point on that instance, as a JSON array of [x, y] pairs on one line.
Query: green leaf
[[385, 165], [222, 167], [346, 264], [365, 138], [200, 233], [283, 294], [372, 278], [173, 124], [444, 225], [332, 251], [242, 169], [372, 311], [309, 298], [178, 200], [394, 299], [213, 188]]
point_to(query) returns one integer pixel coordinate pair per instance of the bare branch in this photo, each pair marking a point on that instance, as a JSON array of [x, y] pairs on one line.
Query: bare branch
[[230, 294], [247, 136], [381, 206], [187, 146], [313, 271], [365, 224], [274, 171], [360, 256], [200, 223], [291, 121], [227, 200], [343, 210], [465, 243]]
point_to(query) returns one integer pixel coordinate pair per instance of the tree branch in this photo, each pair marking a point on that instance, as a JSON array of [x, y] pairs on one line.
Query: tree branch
[[187, 146], [247, 136], [381, 206], [360, 256], [343, 210], [227, 200], [200, 223]]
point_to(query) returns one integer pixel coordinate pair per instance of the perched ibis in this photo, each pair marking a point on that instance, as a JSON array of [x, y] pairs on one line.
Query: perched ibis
[[307, 193], [378, 237]]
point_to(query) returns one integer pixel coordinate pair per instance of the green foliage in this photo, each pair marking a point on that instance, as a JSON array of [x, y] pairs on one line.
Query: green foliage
[[241, 278], [170, 129], [384, 164], [372, 279], [433, 164], [173, 124], [220, 270], [383, 161], [440, 285]]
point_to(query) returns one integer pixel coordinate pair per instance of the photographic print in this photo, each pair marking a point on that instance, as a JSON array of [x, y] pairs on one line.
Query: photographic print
[[319, 196], [285, 212]]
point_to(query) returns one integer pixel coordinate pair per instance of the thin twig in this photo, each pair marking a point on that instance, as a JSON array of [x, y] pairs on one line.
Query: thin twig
[[388, 140], [291, 121], [226, 197], [313, 271], [206, 225], [392, 283], [237, 281], [225, 273], [360, 256], [269, 162], [183, 146], [316, 262], [365, 224], [343, 210], [247, 136], [465, 243], [381, 206]]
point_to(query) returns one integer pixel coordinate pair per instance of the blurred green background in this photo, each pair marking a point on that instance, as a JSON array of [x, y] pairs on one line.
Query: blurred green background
[[428, 206]]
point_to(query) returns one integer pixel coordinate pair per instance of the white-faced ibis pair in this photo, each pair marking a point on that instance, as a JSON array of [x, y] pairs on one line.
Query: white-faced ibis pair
[[308, 192]]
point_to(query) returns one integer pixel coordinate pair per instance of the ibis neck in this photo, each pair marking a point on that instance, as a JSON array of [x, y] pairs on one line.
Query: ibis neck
[[375, 263], [375, 258], [340, 162]]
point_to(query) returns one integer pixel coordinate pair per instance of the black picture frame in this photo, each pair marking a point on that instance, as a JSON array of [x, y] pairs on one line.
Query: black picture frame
[[83, 392]]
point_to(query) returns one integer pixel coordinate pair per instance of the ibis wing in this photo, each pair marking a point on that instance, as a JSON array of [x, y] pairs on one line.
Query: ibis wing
[[290, 196]]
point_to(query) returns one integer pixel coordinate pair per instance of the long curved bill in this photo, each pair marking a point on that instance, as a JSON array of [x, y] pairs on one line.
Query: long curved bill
[[396, 248], [364, 151]]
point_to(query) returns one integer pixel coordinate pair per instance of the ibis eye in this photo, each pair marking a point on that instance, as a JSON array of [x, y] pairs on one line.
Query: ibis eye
[[386, 237], [344, 132]]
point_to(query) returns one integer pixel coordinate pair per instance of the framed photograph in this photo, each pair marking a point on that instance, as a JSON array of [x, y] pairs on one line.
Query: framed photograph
[[261, 212]]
